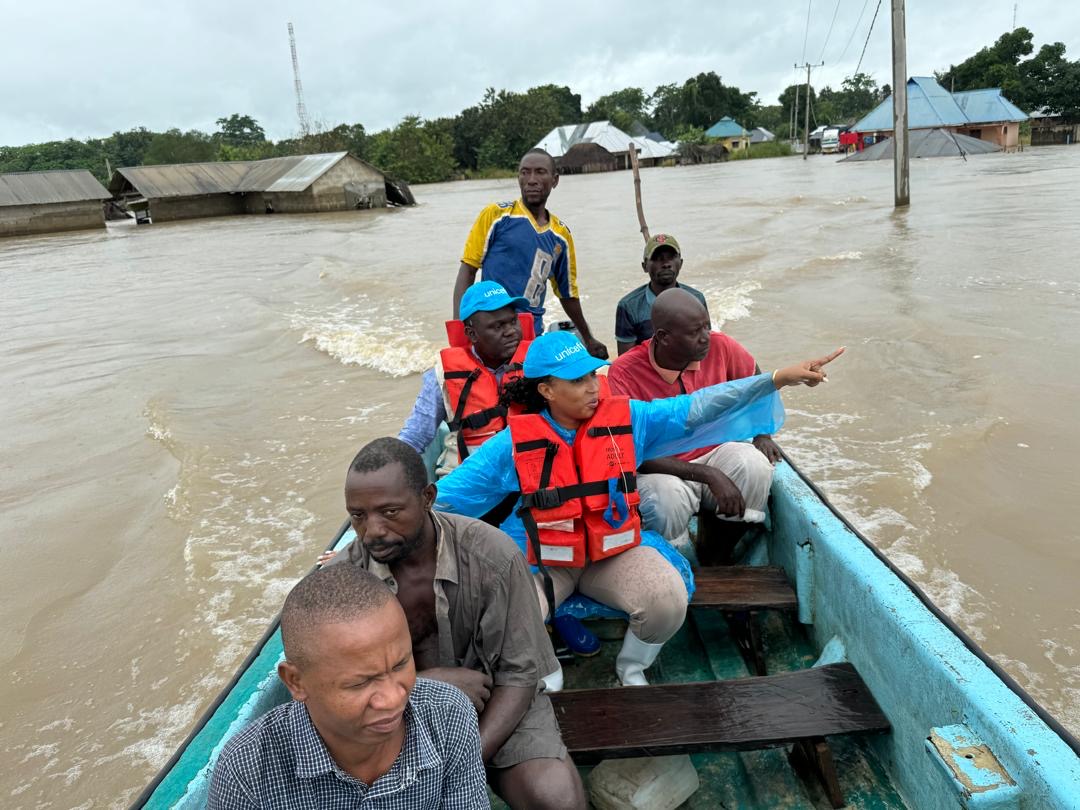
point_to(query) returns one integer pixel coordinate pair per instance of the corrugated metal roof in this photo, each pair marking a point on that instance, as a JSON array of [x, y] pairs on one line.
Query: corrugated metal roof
[[984, 106], [931, 105], [293, 173], [927, 143], [41, 188], [305, 172], [726, 127], [761, 135], [605, 134]]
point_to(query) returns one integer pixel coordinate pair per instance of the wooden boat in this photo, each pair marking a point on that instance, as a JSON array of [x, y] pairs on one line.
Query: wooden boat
[[871, 687]]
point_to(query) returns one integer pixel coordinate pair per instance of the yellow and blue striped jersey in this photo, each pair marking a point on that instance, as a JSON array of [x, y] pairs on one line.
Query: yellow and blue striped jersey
[[507, 245]]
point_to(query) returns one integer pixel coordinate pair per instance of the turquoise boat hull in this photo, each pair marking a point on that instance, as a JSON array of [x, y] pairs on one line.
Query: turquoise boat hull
[[963, 733]]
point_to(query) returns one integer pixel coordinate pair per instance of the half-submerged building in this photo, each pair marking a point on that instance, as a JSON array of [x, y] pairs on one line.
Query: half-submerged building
[[44, 202], [601, 147], [983, 114], [337, 181]]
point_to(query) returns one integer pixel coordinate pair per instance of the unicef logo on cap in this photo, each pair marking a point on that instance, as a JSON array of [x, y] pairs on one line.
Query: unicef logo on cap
[[495, 291], [569, 350]]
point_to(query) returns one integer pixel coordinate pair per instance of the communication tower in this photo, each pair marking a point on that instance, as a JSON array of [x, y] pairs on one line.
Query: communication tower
[[301, 110]]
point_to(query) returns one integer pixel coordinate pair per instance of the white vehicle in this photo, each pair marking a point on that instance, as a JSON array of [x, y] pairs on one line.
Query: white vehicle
[[830, 141]]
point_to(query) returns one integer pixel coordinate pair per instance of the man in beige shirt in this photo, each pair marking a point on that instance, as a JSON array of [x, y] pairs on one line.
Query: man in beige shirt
[[473, 617]]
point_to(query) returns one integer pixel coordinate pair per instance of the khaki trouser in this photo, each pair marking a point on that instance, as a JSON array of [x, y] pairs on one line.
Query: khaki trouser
[[668, 502], [638, 581]]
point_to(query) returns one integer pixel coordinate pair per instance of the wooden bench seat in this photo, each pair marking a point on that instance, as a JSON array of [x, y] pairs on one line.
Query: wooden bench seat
[[743, 587], [740, 591], [799, 707]]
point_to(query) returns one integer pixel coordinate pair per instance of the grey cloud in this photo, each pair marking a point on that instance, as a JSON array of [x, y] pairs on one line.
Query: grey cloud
[[74, 70]]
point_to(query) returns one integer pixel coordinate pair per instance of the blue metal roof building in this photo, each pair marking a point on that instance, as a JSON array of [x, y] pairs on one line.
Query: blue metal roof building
[[931, 105], [981, 106], [726, 127]]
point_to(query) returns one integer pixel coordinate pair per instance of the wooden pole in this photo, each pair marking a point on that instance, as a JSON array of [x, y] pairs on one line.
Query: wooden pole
[[637, 193], [901, 168]]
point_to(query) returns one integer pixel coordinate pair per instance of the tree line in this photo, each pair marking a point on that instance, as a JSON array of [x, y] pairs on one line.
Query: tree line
[[489, 137]]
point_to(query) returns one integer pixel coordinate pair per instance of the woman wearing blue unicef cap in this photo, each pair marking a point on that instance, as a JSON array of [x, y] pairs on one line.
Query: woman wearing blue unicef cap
[[571, 450]]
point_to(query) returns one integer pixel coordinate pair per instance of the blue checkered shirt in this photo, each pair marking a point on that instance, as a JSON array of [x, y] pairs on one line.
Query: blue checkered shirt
[[280, 761]]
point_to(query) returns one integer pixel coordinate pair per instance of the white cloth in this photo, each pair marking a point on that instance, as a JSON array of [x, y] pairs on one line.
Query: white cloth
[[668, 502]]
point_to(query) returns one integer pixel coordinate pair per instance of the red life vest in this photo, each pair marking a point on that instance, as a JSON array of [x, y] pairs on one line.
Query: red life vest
[[578, 503], [472, 390]]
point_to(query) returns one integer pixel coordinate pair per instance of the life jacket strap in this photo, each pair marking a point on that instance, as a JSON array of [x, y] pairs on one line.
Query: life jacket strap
[[614, 430], [553, 497], [532, 531]]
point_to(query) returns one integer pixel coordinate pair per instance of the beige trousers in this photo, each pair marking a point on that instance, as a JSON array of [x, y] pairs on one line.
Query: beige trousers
[[638, 581], [668, 502]]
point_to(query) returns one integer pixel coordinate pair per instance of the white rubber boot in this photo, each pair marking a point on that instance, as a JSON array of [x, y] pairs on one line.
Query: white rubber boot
[[634, 658], [554, 681]]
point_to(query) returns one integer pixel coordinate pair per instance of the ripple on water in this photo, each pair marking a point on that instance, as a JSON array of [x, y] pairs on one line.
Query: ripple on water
[[877, 482], [389, 343]]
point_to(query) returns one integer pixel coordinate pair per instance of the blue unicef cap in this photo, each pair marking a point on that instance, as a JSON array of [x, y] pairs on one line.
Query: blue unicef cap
[[487, 296], [559, 354]]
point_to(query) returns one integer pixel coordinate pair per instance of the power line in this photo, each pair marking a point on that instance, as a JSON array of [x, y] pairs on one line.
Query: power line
[[868, 33], [831, 24], [806, 33], [854, 28]]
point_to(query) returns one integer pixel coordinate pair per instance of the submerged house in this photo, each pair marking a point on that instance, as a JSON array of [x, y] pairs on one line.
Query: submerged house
[[761, 135], [336, 181], [44, 202], [601, 146], [983, 114], [730, 133]]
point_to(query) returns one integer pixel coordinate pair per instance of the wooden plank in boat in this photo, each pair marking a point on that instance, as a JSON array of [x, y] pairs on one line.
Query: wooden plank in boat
[[743, 587], [742, 714]]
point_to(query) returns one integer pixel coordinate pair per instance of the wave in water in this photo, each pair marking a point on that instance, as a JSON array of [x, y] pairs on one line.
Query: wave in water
[[828, 448], [356, 333], [730, 303]]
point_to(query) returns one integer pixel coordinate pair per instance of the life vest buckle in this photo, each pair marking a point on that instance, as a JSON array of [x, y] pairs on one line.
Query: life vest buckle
[[549, 498]]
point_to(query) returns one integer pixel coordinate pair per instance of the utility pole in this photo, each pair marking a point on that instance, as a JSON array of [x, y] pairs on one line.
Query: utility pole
[[301, 109], [901, 176], [806, 114], [795, 117]]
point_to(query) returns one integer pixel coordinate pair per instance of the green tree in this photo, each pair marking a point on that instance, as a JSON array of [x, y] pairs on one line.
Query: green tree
[[623, 108], [342, 138], [700, 102], [127, 148], [239, 130], [496, 132], [174, 146], [994, 66], [413, 151], [1046, 80]]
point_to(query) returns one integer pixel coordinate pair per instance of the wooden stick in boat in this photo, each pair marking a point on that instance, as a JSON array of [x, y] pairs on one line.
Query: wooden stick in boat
[[637, 192]]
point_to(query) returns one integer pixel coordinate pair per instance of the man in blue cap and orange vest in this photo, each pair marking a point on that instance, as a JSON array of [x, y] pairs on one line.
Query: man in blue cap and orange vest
[[487, 348]]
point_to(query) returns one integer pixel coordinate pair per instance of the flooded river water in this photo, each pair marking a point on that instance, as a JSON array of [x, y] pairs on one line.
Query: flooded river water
[[180, 402]]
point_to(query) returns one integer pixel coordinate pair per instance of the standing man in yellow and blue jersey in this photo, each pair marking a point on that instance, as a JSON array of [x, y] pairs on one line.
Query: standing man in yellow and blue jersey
[[523, 246]]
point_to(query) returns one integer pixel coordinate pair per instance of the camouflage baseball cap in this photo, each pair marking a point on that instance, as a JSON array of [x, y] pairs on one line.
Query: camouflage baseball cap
[[659, 241]]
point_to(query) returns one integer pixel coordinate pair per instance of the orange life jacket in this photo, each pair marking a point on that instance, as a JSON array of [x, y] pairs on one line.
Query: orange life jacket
[[578, 503], [472, 390]]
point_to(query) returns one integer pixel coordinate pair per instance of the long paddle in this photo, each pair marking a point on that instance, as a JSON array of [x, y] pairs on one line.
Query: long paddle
[[637, 192]]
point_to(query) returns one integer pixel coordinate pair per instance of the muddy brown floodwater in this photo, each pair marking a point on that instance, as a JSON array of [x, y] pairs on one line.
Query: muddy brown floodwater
[[180, 402]]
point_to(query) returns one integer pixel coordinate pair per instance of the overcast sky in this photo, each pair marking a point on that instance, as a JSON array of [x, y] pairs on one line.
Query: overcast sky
[[86, 70]]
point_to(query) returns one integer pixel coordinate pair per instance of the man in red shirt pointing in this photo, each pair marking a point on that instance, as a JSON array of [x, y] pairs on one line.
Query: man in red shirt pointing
[[731, 479]]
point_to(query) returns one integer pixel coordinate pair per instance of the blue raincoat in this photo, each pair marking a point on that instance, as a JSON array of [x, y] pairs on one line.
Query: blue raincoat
[[731, 411]]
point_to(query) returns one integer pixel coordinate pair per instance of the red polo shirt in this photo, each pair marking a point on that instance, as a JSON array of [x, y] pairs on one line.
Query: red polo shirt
[[636, 374]]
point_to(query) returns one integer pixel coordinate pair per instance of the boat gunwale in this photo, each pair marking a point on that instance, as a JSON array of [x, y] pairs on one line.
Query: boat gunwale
[[148, 792], [1051, 722]]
